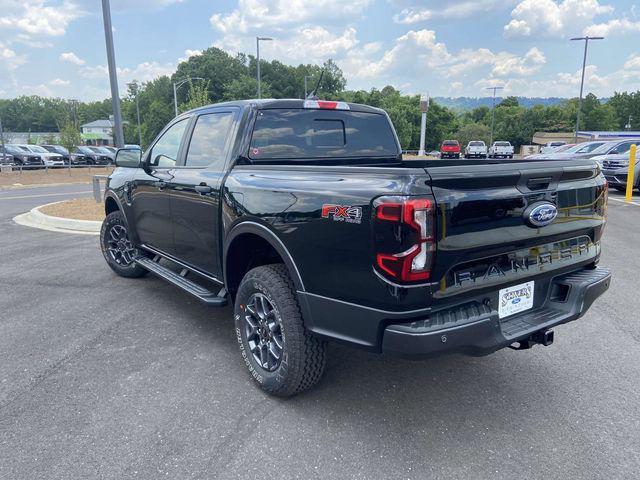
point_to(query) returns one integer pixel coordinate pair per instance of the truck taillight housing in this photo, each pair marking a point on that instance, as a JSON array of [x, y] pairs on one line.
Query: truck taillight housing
[[404, 238]]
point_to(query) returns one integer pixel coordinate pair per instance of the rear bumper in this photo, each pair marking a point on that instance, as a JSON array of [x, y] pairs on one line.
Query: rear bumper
[[476, 330], [472, 328]]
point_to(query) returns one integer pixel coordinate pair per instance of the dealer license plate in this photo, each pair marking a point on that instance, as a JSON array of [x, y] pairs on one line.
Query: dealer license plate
[[515, 299]]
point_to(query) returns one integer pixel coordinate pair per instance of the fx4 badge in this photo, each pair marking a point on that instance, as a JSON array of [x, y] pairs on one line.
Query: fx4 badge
[[342, 213]]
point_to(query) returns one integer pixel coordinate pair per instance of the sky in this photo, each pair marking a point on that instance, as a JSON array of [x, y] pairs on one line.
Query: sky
[[443, 48]]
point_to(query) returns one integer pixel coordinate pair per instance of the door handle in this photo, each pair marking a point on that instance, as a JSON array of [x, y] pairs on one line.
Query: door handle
[[203, 189], [160, 184]]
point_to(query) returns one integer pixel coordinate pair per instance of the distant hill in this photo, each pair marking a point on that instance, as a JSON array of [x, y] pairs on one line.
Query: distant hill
[[469, 103]]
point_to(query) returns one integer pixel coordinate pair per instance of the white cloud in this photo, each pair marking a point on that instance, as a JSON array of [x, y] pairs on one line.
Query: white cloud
[[617, 26], [58, 82], [37, 17], [252, 15], [9, 58], [143, 72], [549, 18], [455, 9], [188, 54], [71, 58], [409, 16]]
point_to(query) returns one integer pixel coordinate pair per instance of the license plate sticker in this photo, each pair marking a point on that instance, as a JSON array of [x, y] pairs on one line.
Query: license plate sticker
[[515, 299]]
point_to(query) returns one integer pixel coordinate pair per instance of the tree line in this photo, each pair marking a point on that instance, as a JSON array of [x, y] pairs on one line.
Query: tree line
[[228, 77]]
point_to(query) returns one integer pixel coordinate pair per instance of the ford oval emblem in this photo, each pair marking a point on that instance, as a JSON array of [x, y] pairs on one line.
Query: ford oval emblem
[[540, 214]]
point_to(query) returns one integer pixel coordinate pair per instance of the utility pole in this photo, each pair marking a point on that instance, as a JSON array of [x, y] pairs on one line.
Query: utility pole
[[134, 86], [424, 108], [258, 60], [584, 65], [176, 86], [306, 92], [4, 154], [493, 111], [113, 77]]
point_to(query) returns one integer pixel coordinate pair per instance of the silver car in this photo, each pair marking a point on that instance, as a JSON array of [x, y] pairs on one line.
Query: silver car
[[48, 158]]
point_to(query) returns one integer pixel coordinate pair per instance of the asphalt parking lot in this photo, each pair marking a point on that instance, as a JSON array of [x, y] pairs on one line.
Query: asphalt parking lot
[[105, 377]]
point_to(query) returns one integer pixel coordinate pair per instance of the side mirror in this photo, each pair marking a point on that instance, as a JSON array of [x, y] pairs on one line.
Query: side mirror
[[128, 157]]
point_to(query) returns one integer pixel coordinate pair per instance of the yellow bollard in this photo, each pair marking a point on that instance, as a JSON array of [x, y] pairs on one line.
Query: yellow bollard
[[630, 173]]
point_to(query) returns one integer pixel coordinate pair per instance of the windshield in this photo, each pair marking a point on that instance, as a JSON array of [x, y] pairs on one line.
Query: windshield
[[100, 150], [37, 149], [14, 149], [604, 148], [57, 149], [85, 150], [310, 133], [587, 148]]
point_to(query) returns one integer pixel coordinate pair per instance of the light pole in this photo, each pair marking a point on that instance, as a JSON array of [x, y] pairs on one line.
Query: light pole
[[113, 78], [4, 154], [493, 111], [134, 87], [306, 93], [258, 60], [584, 65], [176, 86], [628, 125], [424, 108]]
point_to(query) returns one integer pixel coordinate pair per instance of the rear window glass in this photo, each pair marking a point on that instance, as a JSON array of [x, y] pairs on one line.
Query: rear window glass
[[450, 143], [503, 144], [310, 133], [476, 144]]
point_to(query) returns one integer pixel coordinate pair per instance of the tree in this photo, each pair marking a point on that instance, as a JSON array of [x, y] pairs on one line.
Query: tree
[[197, 96], [473, 131], [70, 137]]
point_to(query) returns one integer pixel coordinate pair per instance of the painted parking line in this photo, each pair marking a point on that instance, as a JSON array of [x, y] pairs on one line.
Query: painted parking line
[[44, 195], [624, 201]]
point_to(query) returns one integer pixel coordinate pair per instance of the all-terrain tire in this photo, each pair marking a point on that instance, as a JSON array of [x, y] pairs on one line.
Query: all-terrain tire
[[303, 356], [115, 221]]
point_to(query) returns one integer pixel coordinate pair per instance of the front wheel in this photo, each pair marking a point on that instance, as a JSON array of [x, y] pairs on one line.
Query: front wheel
[[283, 357], [117, 247]]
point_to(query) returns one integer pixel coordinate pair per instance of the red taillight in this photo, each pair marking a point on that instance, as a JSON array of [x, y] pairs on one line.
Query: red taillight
[[414, 217]]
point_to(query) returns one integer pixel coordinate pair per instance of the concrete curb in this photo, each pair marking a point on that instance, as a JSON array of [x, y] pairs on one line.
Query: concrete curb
[[36, 219], [38, 185]]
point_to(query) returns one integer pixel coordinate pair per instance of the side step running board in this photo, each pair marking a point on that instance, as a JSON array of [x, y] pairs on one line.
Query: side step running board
[[207, 296]]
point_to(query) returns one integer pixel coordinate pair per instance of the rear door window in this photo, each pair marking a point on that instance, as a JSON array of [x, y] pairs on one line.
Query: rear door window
[[310, 133]]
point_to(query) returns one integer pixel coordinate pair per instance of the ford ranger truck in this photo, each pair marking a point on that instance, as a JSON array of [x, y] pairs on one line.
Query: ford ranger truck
[[501, 150], [475, 149], [450, 149], [303, 216]]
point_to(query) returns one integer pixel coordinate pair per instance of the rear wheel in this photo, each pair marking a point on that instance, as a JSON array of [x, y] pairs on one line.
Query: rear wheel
[[117, 247], [283, 357]]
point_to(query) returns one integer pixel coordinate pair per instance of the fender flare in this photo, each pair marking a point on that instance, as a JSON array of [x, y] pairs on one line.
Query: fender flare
[[114, 197], [270, 237]]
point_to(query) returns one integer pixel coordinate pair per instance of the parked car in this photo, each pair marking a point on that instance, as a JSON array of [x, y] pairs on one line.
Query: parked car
[[450, 149], [567, 151], [551, 146], [433, 153], [501, 149], [48, 158], [23, 157], [475, 149], [76, 158], [105, 151], [416, 258], [93, 157], [6, 158], [612, 147], [616, 168]]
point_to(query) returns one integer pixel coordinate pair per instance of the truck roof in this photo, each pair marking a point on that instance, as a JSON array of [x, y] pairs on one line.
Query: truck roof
[[284, 103]]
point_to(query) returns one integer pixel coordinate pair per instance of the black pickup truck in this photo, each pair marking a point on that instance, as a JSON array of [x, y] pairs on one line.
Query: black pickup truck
[[304, 215]]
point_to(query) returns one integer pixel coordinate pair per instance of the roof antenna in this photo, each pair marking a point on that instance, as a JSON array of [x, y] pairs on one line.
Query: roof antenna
[[312, 95]]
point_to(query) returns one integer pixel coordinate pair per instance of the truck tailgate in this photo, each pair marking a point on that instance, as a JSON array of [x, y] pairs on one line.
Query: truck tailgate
[[484, 240]]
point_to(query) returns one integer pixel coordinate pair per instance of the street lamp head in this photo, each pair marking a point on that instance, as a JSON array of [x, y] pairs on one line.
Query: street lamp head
[[587, 37], [264, 38]]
